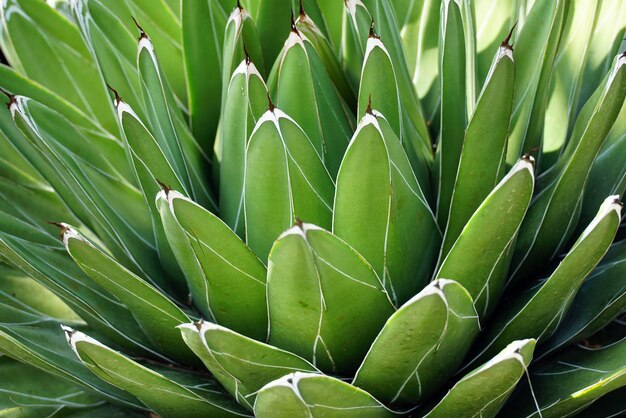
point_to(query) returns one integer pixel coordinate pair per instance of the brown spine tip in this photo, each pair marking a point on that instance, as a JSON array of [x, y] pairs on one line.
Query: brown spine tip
[[59, 225], [239, 6], [167, 189], [299, 223], [12, 99], [270, 104], [437, 284], [302, 12], [373, 33], [368, 109], [199, 324], [245, 52], [507, 41], [142, 33], [118, 98], [618, 202], [294, 29]]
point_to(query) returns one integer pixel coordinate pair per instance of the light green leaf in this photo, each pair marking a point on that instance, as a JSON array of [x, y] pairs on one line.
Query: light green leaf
[[537, 312], [569, 383], [381, 212], [421, 345], [484, 391], [601, 298], [285, 180], [203, 62], [308, 395], [479, 259], [157, 315], [246, 101], [535, 49], [481, 165], [325, 302], [305, 91], [242, 365], [226, 280], [553, 215], [169, 394]]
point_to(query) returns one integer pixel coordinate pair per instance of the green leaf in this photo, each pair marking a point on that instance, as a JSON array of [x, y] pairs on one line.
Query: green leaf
[[553, 215], [452, 68], [601, 298], [155, 313], [421, 345], [47, 48], [563, 92], [357, 21], [17, 388], [325, 302], [484, 391], [21, 292], [242, 365], [308, 395], [419, 28], [305, 91], [246, 101], [285, 180], [571, 382], [535, 49], [169, 128], [39, 342], [537, 312], [479, 259], [203, 62], [481, 165], [273, 24], [493, 21], [169, 394], [381, 212], [226, 280]]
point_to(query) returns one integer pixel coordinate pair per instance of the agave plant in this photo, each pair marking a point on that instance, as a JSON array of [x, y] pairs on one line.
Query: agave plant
[[324, 208]]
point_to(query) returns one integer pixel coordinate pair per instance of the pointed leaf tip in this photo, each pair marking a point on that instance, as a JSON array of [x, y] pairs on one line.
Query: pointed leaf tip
[[507, 41], [373, 33], [142, 33]]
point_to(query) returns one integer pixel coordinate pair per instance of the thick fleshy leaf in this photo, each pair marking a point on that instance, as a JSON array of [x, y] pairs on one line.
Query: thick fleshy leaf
[[39, 342], [419, 28], [553, 215], [273, 23], [168, 393], [246, 102], [601, 298], [203, 62], [421, 345], [381, 212], [305, 91], [485, 390], [494, 19], [571, 382], [563, 93], [16, 388], [479, 259], [481, 165], [45, 46], [155, 313], [453, 104], [22, 292], [241, 364], [168, 127], [285, 180], [535, 49], [325, 302], [307, 395], [226, 280], [356, 25], [537, 312]]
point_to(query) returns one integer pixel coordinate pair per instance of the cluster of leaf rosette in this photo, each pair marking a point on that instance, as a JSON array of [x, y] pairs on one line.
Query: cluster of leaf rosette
[[379, 208]]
